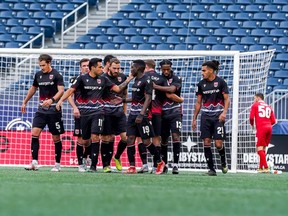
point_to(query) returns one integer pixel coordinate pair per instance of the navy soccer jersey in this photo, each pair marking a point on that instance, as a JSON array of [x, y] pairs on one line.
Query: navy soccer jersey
[[140, 87], [91, 90], [47, 84], [171, 108], [110, 95], [158, 97], [212, 96]]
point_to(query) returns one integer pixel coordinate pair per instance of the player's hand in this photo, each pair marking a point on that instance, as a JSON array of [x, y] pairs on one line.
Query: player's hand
[[58, 105], [155, 85], [23, 108], [194, 125], [116, 100], [76, 112], [139, 119], [222, 117], [47, 103]]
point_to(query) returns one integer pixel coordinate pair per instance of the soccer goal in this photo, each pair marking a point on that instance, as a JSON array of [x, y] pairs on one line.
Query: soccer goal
[[246, 73]]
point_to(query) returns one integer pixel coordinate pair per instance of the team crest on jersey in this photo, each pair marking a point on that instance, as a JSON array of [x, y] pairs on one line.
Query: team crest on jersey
[[99, 81], [215, 84], [40, 77], [87, 80], [119, 79], [139, 83], [170, 81], [204, 85], [51, 76]]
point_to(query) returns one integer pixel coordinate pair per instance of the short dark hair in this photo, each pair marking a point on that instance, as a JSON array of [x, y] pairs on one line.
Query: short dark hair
[[165, 62], [45, 57], [140, 64], [107, 58], [214, 64], [114, 60], [260, 95], [150, 63], [94, 62], [83, 60]]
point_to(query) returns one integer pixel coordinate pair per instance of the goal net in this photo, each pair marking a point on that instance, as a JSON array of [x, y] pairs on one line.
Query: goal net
[[245, 73]]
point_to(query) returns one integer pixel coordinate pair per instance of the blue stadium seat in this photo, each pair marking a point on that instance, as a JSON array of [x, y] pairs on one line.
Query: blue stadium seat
[[18, 30], [241, 32], [49, 26], [233, 24], [230, 40], [146, 47], [178, 24], [279, 48], [52, 7], [164, 47], [167, 31], [259, 32], [156, 39], [30, 22], [68, 7], [35, 30], [4, 29], [131, 31], [20, 6], [220, 47], [281, 74], [276, 65], [243, 16], [201, 47], [110, 46], [282, 57], [207, 16], [271, 8], [155, 1], [196, 24], [253, 8], [272, 81], [114, 31], [85, 39], [7, 14], [129, 8], [103, 39], [146, 8], [175, 40], [75, 46], [284, 24], [7, 37], [24, 38], [135, 16], [119, 16], [251, 24], [128, 46], [283, 40], [214, 24], [249, 40], [119, 39], [211, 40], [24, 14], [199, 8], [279, 16], [96, 31], [204, 32], [267, 40], [57, 17], [107, 23], [152, 16], [270, 24], [92, 46], [142, 23], [183, 47], [171, 16], [138, 39], [185, 31], [40, 15], [13, 45], [218, 8], [160, 23], [257, 47], [173, 2], [193, 40], [280, 87], [235, 8], [182, 8], [149, 31], [261, 16], [285, 82], [225, 16], [36, 7], [163, 8], [13, 22], [280, 2], [278, 32], [285, 8], [239, 47], [222, 32]]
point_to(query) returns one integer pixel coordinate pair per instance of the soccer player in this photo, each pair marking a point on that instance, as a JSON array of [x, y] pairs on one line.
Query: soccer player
[[106, 62], [115, 119], [213, 97], [171, 114], [81, 155], [264, 119], [139, 119], [51, 88], [90, 103]]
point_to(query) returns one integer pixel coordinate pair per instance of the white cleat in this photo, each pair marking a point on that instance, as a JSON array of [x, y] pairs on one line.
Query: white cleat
[[32, 166], [81, 168], [56, 168]]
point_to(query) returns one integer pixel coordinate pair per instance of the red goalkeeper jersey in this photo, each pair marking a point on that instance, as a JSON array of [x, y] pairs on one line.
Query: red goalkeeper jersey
[[263, 115]]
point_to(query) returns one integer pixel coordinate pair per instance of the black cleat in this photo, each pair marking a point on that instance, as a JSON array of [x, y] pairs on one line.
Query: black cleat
[[92, 169], [211, 173], [175, 170], [165, 170]]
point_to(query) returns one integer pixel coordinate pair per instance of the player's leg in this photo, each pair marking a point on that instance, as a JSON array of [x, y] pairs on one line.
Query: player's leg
[[79, 145], [176, 127], [165, 134], [156, 140], [219, 136], [56, 127], [143, 156], [38, 124], [206, 126]]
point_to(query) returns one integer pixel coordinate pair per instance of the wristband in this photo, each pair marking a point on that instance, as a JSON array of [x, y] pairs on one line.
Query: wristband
[[53, 100]]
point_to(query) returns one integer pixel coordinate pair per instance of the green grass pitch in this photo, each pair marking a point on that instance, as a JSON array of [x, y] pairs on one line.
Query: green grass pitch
[[70, 193]]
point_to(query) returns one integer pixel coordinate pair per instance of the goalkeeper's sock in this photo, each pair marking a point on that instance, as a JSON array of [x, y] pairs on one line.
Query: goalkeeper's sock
[[209, 157], [35, 147], [263, 162]]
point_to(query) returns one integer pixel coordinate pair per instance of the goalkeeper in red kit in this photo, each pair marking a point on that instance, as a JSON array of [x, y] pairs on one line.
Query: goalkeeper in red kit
[[264, 118]]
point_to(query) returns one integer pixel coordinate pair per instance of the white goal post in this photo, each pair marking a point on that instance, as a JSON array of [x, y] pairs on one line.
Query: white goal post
[[246, 73]]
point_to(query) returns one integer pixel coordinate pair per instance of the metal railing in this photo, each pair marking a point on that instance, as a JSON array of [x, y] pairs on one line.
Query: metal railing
[[77, 21], [107, 5], [29, 44]]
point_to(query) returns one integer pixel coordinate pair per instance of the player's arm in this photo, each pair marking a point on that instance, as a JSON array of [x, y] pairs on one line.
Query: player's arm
[[222, 117], [122, 86], [125, 95], [66, 95], [29, 95], [252, 115], [170, 89], [148, 99], [175, 98], [76, 111], [197, 108], [272, 118]]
